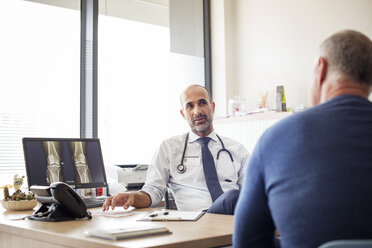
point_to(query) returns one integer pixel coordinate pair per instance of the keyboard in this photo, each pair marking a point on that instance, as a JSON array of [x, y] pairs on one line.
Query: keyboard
[[94, 202]]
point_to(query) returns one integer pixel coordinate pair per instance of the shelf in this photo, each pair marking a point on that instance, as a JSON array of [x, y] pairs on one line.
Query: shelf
[[253, 117]]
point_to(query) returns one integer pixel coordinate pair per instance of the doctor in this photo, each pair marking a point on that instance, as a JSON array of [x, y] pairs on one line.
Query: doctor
[[202, 169]]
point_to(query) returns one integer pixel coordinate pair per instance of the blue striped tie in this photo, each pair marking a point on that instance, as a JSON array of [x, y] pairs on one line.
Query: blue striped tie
[[209, 168]]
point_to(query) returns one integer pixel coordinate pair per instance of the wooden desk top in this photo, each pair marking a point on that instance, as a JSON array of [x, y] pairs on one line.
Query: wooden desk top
[[210, 230]]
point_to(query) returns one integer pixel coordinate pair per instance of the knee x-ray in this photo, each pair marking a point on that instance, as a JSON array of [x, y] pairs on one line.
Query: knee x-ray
[[82, 174], [54, 163], [77, 162]]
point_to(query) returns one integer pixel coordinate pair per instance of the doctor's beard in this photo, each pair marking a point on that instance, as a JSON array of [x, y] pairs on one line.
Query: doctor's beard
[[203, 126]]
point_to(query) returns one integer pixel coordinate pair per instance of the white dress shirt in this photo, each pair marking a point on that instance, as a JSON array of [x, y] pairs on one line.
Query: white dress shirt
[[189, 188]]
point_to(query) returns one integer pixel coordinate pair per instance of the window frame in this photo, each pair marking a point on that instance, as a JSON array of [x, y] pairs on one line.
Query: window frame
[[89, 59]]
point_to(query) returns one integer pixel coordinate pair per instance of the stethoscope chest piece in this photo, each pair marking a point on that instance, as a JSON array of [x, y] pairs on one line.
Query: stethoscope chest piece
[[181, 168]]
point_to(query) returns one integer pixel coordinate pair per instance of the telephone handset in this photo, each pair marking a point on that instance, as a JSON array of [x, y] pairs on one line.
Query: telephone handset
[[59, 203]]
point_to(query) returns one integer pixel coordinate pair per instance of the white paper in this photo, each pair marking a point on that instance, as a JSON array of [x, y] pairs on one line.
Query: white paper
[[172, 216], [113, 213]]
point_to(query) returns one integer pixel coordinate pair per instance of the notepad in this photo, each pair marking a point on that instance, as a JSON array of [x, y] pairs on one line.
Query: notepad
[[172, 216], [127, 232]]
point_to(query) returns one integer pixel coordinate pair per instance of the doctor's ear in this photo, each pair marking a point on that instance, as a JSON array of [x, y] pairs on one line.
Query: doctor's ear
[[183, 115]]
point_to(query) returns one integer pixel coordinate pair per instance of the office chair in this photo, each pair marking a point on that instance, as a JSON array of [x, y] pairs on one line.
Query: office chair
[[169, 200], [357, 243]]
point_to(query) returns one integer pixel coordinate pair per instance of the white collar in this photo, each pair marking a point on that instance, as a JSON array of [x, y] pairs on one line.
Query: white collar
[[193, 136]]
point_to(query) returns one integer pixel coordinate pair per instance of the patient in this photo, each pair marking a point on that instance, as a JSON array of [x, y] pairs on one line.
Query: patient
[[310, 175]]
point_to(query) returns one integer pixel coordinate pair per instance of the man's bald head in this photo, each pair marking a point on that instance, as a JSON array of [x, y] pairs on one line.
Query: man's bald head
[[198, 109], [182, 97]]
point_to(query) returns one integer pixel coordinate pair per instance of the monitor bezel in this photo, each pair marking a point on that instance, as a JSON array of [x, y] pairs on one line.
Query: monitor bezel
[[75, 185]]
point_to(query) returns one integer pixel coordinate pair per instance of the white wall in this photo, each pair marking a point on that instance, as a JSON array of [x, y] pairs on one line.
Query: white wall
[[218, 50], [274, 42]]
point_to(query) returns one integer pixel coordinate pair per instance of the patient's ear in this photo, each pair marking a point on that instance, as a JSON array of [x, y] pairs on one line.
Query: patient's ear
[[183, 115], [319, 77], [322, 68]]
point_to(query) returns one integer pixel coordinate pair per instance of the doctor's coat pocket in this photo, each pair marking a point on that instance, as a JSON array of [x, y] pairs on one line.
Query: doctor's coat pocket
[[191, 166], [191, 161]]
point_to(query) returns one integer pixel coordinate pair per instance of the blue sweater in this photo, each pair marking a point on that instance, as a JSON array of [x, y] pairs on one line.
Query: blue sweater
[[310, 176]]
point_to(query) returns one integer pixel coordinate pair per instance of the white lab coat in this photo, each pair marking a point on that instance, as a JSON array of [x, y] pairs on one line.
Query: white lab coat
[[189, 188]]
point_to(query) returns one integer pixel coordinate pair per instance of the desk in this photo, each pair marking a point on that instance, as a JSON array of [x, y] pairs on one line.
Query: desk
[[209, 231]]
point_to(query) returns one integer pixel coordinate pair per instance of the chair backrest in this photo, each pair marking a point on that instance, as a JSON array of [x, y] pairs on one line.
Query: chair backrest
[[169, 200], [357, 243]]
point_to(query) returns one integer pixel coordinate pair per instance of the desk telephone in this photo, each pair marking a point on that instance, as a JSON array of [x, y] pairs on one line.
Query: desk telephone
[[59, 203]]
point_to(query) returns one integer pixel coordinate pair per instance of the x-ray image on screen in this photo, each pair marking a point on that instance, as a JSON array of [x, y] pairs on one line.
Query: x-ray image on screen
[[53, 161], [76, 161], [78, 150]]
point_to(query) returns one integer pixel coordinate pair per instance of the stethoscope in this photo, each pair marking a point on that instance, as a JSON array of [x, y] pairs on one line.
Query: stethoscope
[[181, 168]]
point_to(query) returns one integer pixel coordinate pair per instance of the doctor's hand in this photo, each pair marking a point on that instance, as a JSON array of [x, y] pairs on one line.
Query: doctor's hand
[[122, 199], [138, 199]]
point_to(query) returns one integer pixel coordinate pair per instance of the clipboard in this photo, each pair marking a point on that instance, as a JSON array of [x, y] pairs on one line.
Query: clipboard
[[172, 216]]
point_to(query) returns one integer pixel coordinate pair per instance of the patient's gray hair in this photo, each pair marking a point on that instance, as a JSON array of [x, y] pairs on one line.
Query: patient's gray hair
[[350, 53]]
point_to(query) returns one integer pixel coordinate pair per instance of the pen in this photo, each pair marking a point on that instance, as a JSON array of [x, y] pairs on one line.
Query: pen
[[154, 215]]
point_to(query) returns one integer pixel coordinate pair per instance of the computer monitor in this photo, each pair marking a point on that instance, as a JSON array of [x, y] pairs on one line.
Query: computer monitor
[[77, 162]]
